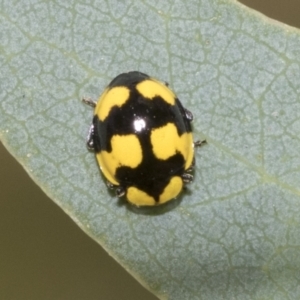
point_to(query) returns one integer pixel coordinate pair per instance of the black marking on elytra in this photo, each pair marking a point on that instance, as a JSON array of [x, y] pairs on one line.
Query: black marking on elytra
[[129, 79]]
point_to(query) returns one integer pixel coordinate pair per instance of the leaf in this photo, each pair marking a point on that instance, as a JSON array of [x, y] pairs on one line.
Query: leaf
[[234, 234]]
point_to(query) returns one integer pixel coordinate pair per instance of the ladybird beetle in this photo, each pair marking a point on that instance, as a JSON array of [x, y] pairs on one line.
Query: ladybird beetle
[[142, 138]]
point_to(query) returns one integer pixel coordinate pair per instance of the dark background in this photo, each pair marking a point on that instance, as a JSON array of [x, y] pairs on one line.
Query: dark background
[[44, 255]]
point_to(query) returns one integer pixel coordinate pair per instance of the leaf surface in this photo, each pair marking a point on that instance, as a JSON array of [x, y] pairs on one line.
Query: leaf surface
[[235, 232]]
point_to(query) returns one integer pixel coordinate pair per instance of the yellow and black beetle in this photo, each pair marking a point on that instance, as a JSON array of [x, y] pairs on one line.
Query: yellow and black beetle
[[142, 138]]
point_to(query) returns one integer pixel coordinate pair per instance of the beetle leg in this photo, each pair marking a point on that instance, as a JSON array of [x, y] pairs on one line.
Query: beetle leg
[[120, 191], [186, 177], [188, 115], [199, 143], [89, 101], [90, 138]]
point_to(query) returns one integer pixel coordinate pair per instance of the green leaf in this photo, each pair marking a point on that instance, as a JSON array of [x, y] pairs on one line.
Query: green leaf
[[234, 234]]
